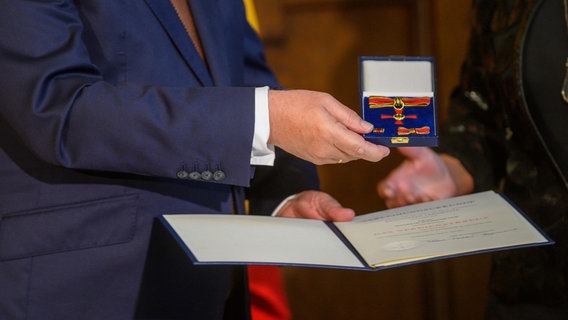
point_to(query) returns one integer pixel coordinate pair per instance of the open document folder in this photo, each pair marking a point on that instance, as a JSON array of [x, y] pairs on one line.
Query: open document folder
[[464, 225]]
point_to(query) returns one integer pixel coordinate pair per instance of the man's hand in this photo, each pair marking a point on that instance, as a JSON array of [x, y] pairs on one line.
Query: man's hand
[[316, 127], [424, 176], [315, 205]]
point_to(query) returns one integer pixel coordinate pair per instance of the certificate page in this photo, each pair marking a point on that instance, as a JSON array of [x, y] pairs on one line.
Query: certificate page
[[217, 238], [477, 222]]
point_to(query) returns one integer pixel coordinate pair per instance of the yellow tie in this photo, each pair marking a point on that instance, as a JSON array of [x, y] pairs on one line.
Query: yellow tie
[[184, 13]]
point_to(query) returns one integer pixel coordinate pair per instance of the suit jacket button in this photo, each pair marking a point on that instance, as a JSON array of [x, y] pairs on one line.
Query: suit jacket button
[[218, 175], [194, 175], [206, 175], [182, 174]]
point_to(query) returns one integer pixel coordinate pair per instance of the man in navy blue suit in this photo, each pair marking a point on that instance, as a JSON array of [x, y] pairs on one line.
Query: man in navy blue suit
[[110, 115]]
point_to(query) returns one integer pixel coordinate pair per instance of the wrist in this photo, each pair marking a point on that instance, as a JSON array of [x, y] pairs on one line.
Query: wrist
[[273, 116]]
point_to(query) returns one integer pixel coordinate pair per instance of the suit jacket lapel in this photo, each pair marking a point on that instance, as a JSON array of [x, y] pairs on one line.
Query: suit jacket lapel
[[170, 21], [212, 39]]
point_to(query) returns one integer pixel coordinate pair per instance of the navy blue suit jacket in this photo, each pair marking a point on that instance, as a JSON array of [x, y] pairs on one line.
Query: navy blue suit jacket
[[106, 110]]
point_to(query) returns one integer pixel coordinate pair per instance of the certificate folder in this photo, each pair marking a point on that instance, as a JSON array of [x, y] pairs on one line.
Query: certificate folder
[[471, 224]]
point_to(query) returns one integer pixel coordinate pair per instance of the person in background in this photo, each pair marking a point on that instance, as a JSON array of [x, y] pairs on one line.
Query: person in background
[[115, 112], [505, 131]]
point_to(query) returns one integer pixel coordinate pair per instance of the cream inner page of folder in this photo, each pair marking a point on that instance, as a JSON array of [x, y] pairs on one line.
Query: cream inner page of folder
[[476, 222], [250, 239]]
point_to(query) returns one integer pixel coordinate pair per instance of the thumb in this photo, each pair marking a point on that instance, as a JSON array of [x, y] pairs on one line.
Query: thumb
[[349, 118], [331, 210]]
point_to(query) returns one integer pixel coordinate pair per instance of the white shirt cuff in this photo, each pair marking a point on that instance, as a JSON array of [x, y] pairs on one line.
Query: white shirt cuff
[[282, 204], [262, 153]]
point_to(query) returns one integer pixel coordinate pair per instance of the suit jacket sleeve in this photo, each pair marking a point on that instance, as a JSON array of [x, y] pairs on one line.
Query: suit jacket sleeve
[[101, 85]]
